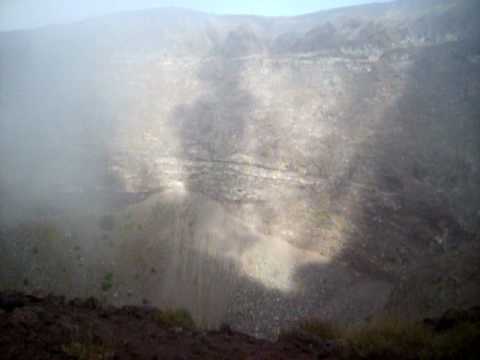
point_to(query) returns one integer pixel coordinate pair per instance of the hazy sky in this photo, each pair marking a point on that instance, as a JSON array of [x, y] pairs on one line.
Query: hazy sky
[[16, 14]]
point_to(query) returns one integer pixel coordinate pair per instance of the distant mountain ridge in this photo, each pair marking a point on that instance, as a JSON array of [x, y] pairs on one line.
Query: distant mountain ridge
[[191, 32]]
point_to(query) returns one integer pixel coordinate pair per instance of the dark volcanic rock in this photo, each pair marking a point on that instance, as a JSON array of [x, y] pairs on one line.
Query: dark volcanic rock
[[132, 333], [453, 318], [9, 302]]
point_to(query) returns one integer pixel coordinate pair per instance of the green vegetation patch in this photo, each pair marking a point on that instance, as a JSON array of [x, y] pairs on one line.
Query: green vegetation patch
[[174, 318], [43, 232], [388, 338], [107, 282], [322, 329], [392, 337]]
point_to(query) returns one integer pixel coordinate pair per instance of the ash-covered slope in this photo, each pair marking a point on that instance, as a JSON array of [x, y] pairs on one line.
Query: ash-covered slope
[[254, 170]]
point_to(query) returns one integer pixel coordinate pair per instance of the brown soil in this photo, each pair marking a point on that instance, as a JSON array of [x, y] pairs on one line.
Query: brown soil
[[49, 327]]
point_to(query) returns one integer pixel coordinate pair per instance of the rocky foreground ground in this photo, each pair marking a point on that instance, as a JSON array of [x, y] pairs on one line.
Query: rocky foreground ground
[[49, 327]]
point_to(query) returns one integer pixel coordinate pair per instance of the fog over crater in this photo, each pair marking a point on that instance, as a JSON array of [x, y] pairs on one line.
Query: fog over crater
[[253, 170]]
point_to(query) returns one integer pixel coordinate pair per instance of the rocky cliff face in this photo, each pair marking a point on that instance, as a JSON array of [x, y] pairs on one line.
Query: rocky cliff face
[[266, 169]]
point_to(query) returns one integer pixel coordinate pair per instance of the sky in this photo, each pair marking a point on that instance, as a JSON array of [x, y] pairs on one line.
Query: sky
[[21, 14]]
